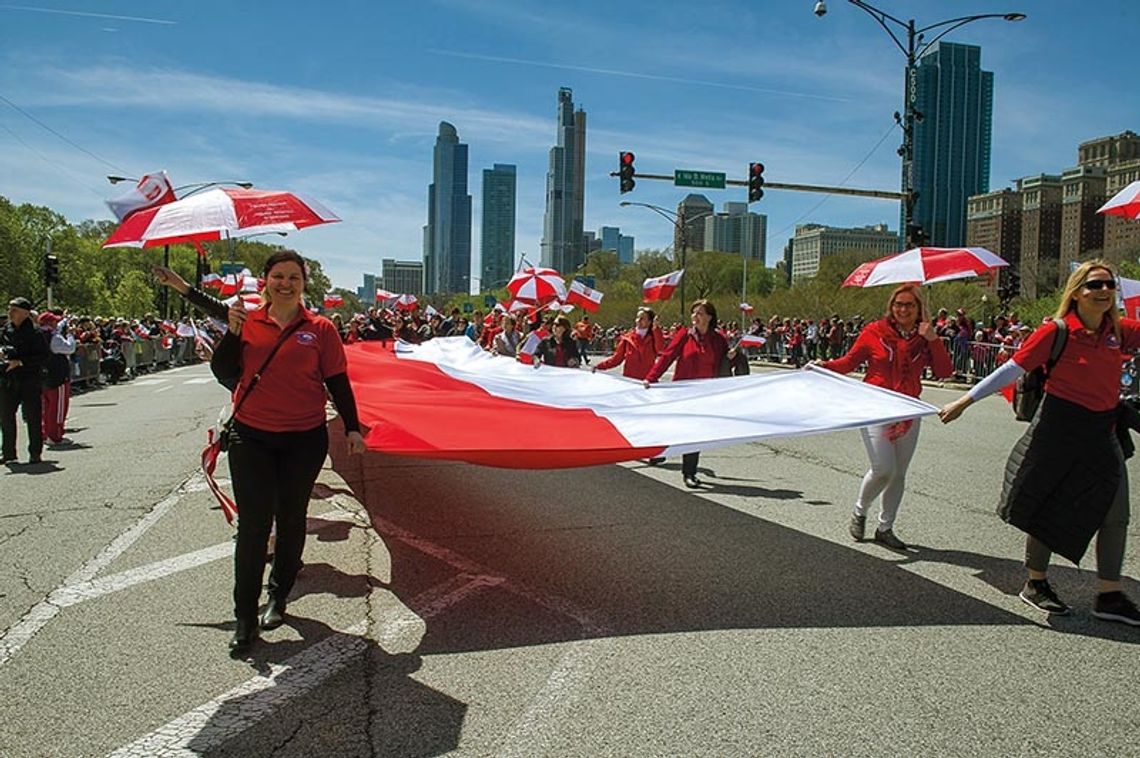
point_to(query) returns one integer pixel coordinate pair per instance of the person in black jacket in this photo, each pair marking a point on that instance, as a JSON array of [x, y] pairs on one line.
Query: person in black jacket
[[24, 352]]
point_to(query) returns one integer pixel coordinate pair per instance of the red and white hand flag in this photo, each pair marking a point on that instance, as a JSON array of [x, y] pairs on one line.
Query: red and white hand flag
[[752, 340], [745, 308], [152, 189], [580, 294], [382, 295], [212, 281], [333, 300], [661, 287]]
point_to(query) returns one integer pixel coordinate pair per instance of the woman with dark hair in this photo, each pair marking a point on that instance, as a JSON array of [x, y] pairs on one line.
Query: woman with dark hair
[[278, 440], [1065, 479], [558, 349], [896, 349], [701, 352]]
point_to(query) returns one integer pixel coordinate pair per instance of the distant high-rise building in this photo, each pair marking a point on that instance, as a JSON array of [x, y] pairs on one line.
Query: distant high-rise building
[[447, 236], [691, 214], [993, 221], [563, 240], [612, 239], [814, 242], [367, 291], [736, 230], [952, 139], [401, 277], [1119, 156], [498, 242], [625, 249], [1040, 234]]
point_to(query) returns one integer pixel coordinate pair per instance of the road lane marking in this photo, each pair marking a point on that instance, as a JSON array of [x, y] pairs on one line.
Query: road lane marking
[[207, 726], [200, 380], [20, 633], [164, 389], [149, 382]]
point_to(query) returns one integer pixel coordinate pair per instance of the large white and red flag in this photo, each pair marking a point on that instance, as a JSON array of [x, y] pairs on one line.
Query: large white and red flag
[[449, 399], [333, 300], [661, 287], [580, 294], [152, 189]]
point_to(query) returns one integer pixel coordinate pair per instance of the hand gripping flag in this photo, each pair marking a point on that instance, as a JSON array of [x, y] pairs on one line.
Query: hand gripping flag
[[661, 287], [580, 294]]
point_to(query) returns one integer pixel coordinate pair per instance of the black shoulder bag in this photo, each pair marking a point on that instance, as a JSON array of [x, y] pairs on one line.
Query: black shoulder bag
[[227, 426], [1030, 388]]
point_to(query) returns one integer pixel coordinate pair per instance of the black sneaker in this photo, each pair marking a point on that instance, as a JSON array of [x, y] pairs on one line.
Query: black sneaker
[[692, 482], [1115, 606], [1041, 596], [887, 537], [858, 527]]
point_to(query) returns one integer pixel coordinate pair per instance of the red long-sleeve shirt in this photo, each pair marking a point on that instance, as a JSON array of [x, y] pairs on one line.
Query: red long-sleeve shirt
[[636, 354], [894, 361], [697, 356]]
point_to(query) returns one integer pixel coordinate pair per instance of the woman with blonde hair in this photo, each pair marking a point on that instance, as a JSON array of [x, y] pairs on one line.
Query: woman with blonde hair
[[896, 349], [1065, 479]]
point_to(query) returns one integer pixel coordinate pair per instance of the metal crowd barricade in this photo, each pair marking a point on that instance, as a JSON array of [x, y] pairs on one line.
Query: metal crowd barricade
[[85, 363], [975, 361]]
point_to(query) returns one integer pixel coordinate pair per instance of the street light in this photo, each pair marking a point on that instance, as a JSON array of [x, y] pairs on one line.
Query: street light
[[915, 47], [164, 294], [678, 221]]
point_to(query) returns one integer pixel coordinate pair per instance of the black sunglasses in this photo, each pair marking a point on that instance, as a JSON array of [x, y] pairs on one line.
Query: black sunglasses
[[1099, 284]]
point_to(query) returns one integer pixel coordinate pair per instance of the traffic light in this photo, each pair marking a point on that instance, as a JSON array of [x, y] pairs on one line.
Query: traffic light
[[626, 171], [755, 182], [51, 269], [915, 235]]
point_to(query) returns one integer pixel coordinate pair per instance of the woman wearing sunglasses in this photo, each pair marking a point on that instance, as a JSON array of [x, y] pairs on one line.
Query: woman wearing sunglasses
[[896, 349], [1065, 479]]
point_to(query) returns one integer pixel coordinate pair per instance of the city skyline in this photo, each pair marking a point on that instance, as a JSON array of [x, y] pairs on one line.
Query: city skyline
[[350, 115]]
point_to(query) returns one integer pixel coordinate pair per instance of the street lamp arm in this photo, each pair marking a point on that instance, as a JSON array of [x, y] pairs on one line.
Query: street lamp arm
[[882, 18], [669, 215], [954, 23]]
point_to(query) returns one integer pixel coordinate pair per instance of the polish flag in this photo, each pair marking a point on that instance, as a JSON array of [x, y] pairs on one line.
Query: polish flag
[[152, 189], [382, 295], [580, 294], [449, 399], [251, 301], [244, 281], [528, 348], [184, 330], [168, 327], [1129, 294], [746, 308], [752, 340], [333, 300], [661, 287], [212, 281]]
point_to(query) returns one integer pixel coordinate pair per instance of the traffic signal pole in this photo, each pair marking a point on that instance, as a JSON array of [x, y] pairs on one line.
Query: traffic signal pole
[[852, 191]]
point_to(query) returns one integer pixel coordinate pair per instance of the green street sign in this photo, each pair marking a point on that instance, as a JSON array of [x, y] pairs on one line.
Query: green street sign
[[709, 179]]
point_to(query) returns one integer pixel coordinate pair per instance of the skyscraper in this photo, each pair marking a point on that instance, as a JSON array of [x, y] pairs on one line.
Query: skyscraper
[[498, 241], [447, 236], [563, 241], [952, 140]]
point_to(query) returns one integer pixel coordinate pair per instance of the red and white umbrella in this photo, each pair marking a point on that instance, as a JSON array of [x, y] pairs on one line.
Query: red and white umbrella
[[219, 214], [925, 265], [406, 302], [537, 285], [1124, 203]]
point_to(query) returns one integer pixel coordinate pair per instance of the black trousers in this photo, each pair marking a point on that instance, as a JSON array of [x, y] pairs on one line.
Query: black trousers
[[21, 392], [273, 475], [689, 464]]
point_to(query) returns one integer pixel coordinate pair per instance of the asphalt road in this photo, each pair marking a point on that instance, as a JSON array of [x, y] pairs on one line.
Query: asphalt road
[[446, 608]]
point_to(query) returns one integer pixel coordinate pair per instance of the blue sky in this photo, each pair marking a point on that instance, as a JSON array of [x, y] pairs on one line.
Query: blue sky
[[342, 100]]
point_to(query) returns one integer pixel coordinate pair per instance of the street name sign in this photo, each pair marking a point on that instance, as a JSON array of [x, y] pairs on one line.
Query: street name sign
[[708, 179]]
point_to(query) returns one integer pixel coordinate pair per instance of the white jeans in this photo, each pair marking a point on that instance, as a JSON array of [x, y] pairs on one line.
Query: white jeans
[[889, 462]]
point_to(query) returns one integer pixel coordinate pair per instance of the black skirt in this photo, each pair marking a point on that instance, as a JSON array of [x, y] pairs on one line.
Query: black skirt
[[1062, 476]]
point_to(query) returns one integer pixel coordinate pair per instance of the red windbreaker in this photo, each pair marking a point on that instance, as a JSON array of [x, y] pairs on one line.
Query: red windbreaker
[[636, 354], [893, 361]]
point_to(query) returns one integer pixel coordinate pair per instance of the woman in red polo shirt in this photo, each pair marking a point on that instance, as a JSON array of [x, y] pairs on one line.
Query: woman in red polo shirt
[[279, 439], [1065, 479], [896, 349], [701, 352]]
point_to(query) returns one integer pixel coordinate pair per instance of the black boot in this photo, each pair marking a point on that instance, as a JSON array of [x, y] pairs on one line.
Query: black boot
[[274, 615], [245, 632]]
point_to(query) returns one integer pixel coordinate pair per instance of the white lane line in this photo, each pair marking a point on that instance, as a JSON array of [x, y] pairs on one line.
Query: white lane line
[[250, 702], [201, 380], [164, 389], [148, 382], [20, 633], [533, 732]]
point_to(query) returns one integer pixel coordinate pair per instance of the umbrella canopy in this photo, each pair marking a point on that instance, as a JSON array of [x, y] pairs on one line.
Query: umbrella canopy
[[537, 285], [406, 303], [1124, 203], [219, 214], [925, 265]]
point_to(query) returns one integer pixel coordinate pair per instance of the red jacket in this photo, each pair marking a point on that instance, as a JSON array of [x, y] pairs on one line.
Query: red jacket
[[636, 354], [893, 361], [697, 357]]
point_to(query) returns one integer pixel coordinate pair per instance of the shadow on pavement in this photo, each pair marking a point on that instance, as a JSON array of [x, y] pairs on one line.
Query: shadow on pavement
[[615, 553]]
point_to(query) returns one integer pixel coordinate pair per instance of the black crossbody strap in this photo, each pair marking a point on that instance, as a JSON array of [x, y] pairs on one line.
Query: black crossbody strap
[[1060, 337], [257, 376]]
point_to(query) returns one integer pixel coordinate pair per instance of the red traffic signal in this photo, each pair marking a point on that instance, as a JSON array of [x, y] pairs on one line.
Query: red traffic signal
[[626, 171], [755, 181]]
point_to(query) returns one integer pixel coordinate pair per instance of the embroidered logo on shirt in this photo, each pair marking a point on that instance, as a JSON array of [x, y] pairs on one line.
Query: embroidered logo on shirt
[[1112, 341], [306, 338]]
